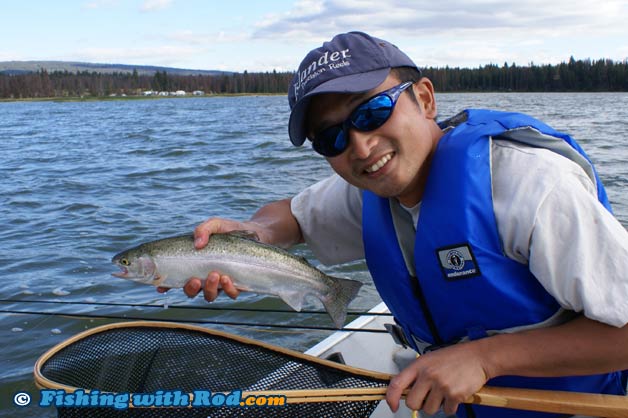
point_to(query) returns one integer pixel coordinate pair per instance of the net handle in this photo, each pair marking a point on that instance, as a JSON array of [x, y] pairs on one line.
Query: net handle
[[575, 403]]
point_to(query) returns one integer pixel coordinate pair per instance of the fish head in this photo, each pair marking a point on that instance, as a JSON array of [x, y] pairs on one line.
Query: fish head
[[135, 266]]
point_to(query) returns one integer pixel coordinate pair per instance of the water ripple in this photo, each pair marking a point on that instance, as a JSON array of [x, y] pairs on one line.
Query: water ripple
[[82, 181]]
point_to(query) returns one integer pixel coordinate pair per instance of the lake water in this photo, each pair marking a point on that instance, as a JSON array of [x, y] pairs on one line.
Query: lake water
[[84, 180]]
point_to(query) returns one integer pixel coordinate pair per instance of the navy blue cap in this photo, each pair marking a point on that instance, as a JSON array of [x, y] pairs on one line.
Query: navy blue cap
[[351, 62]]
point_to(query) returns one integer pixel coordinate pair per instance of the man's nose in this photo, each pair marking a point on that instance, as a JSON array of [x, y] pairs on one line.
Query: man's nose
[[361, 143]]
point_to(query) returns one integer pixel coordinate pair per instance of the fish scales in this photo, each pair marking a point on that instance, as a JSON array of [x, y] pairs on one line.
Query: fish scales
[[253, 266]]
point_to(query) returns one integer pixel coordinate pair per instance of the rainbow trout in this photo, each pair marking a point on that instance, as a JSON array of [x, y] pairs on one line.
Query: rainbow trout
[[253, 267]]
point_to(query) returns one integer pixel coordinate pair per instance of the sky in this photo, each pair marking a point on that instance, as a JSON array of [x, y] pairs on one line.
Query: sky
[[267, 35]]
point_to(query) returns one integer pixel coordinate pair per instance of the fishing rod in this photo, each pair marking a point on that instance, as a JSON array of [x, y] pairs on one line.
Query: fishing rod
[[191, 321], [185, 307]]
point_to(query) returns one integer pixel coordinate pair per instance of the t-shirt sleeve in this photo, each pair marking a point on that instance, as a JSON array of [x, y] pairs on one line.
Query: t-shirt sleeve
[[548, 215], [580, 253], [330, 216]]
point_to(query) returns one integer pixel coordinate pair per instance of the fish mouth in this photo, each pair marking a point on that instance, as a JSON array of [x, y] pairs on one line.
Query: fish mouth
[[121, 274]]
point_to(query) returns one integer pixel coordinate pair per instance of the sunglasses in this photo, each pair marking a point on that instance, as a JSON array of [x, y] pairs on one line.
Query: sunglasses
[[368, 116]]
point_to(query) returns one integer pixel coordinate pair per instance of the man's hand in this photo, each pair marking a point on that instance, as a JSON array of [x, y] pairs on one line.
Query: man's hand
[[221, 226], [445, 377], [211, 286]]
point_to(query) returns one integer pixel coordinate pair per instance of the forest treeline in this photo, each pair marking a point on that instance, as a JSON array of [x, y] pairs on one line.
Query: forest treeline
[[43, 84], [572, 76]]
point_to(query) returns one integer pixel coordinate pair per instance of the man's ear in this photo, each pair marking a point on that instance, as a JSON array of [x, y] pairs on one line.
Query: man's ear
[[424, 91]]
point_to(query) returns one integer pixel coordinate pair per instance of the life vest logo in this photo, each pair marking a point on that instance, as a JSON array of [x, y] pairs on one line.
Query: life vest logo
[[458, 262], [455, 260]]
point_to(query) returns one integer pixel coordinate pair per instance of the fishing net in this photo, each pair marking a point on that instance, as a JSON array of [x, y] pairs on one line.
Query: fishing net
[[217, 372]]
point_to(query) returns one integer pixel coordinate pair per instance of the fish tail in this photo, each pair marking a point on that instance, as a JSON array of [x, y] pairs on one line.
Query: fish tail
[[336, 302]]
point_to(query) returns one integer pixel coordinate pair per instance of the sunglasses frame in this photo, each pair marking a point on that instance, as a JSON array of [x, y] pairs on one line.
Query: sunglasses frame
[[322, 145]]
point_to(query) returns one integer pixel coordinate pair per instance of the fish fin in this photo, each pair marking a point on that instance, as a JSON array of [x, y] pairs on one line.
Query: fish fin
[[243, 288], [293, 299], [336, 302], [158, 280], [252, 235]]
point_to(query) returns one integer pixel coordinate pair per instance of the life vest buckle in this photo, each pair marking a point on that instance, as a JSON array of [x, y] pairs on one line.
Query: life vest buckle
[[397, 335], [420, 346]]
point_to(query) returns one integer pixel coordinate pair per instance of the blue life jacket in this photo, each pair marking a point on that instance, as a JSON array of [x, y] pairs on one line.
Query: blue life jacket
[[457, 284]]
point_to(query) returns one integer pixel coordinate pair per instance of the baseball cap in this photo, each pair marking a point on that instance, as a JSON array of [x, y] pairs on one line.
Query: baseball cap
[[352, 62]]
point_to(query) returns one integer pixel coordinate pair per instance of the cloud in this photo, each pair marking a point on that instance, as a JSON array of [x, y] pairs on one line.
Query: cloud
[[154, 5], [167, 55], [458, 32], [426, 17], [205, 38], [99, 4]]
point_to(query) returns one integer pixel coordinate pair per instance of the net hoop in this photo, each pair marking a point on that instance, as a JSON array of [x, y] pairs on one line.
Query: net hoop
[[42, 382]]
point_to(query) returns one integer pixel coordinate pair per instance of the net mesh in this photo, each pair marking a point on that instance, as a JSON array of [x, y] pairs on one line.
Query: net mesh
[[146, 360]]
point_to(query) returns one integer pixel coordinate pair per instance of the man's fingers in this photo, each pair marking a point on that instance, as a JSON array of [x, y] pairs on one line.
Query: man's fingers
[[228, 287], [201, 235], [396, 387], [192, 287], [213, 226], [210, 288], [204, 230], [418, 396], [431, 401], [450, 406]]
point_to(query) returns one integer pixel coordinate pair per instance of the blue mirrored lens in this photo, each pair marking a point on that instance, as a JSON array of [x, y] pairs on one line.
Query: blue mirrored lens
[[341, 141], [331, 141], [372, 114]]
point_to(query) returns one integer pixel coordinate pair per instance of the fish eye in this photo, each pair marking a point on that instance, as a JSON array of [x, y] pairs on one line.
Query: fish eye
[[124, 262]]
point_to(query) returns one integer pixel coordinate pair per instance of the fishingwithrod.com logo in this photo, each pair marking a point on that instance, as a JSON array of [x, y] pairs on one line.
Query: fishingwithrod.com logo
[[160, 399]]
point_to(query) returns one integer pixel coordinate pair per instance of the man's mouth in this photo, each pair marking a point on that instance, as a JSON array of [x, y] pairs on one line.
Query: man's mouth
[[379, 164]]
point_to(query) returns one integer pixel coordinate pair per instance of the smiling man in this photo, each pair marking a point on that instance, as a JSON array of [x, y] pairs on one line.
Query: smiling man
[[488, 235]]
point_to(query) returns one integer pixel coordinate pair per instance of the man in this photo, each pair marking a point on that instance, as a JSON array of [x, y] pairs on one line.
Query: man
[[489, 235]]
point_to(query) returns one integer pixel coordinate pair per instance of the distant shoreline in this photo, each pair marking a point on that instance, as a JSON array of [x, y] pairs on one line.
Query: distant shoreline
[[219, 95], [574, 76], [129, 98]]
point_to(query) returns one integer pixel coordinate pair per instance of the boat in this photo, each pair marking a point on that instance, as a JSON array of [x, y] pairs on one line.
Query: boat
[[380, 353], [359, 349]]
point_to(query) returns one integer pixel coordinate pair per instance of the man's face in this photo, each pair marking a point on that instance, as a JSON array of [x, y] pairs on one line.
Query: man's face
[[393, 160]]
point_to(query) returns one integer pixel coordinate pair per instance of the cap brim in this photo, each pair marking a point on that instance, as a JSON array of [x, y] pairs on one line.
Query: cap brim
[[355, 83]]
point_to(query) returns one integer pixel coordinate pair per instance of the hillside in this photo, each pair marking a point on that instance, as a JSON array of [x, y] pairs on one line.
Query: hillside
[[24, 67]]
